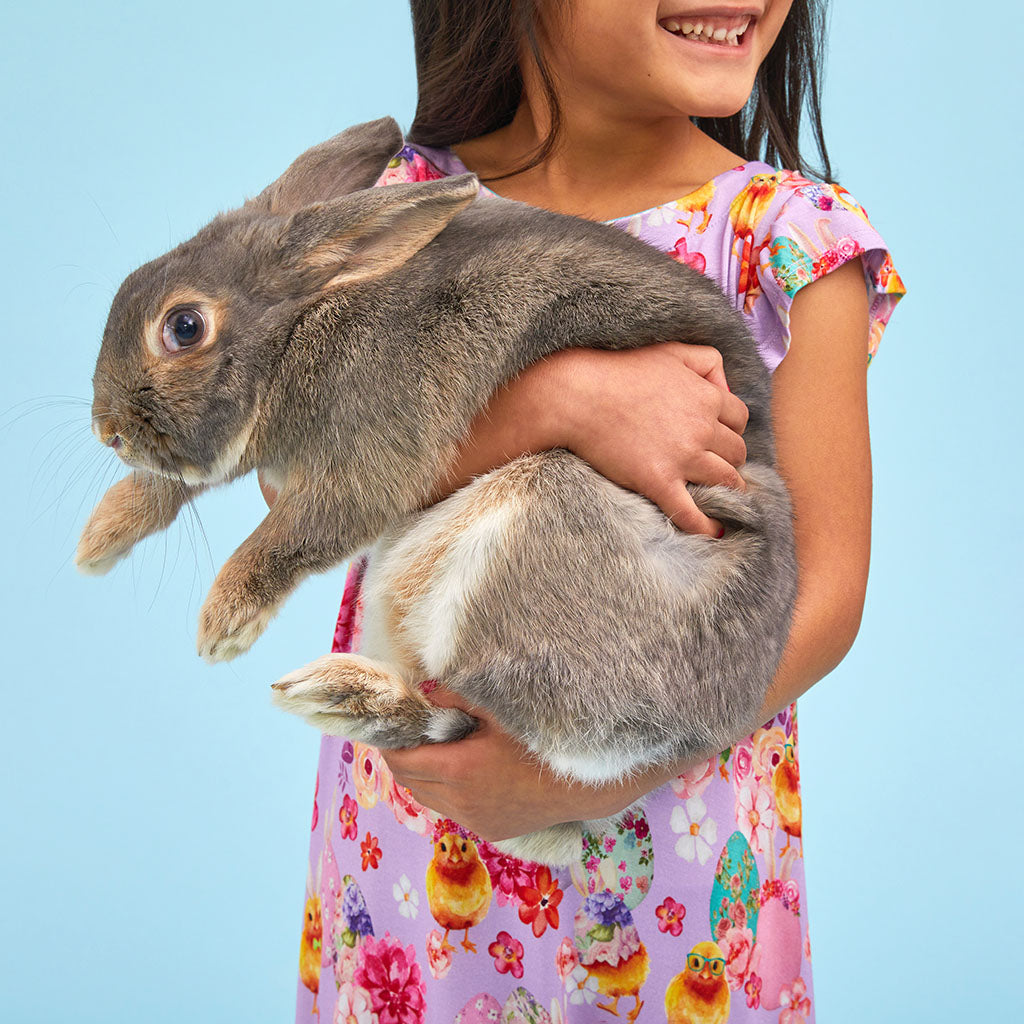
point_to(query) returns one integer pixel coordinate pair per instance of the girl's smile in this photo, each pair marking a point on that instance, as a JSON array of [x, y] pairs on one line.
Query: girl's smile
[[658, 59], [710, 28]]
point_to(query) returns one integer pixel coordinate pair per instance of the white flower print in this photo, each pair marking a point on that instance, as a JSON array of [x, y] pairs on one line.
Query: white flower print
[[581, 986], [697, 833], [755, 814], [408, 898]]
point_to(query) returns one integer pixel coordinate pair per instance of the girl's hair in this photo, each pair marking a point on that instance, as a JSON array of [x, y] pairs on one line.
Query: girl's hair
[[467, 66]]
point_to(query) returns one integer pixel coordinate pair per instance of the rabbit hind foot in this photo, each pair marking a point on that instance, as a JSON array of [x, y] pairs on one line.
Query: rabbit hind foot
[[364, 700]]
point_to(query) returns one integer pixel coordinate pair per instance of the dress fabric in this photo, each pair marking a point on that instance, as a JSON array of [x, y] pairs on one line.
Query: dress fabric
[[693, 911]]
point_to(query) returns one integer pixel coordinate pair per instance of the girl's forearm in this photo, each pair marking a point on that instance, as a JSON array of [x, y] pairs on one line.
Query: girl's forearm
[[525, 416]]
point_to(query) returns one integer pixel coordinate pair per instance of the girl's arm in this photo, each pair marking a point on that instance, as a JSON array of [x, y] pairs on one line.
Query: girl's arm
[[487, 782]]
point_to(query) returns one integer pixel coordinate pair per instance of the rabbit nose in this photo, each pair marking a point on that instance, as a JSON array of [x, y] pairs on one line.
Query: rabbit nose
[[110, 440]]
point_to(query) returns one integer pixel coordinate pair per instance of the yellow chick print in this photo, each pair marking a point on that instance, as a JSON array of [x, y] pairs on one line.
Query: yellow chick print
[[697, 202], [699, 994], [458, 883], [786, 788]]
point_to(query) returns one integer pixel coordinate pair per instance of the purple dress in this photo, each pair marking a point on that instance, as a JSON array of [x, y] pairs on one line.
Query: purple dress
[[693, 911]]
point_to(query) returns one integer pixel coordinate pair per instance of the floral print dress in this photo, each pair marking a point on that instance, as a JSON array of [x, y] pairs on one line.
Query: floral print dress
[[693, 911]]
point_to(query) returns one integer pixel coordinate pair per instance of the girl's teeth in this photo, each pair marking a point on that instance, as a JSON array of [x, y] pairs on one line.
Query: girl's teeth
[[697, 31]]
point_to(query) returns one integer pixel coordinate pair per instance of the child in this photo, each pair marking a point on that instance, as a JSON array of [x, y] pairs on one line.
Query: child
[[602, 108]]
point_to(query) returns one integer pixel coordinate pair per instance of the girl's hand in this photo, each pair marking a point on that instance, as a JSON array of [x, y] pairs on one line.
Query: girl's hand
[[492, 785], [656, 418], [649, 419]]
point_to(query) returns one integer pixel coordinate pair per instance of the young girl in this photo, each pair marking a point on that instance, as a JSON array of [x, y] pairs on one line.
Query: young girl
[[623, 111]]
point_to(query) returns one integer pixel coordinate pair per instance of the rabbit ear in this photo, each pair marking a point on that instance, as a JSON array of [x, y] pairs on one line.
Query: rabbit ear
[[373, 232], [353, 160]]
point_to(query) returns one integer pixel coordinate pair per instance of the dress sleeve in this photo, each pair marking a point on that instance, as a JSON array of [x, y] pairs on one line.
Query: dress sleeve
[[815, 229]]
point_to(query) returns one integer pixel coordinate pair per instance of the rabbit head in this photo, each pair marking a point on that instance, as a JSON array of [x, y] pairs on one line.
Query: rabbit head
[[193, 338]]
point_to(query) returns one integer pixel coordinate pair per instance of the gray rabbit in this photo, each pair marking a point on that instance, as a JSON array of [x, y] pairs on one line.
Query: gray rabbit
[[341, 338]]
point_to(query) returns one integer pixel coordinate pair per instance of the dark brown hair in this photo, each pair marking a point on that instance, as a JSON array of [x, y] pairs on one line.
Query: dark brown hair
[[467, 66]]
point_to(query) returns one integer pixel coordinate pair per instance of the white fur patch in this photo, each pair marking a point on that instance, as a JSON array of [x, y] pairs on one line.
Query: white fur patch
[[446, 724], [434, 622], [594, 770]]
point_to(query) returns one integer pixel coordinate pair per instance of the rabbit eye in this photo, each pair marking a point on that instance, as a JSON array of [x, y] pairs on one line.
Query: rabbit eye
[[183, 328]]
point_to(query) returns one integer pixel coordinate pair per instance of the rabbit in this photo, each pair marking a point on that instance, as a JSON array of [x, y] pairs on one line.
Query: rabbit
[[340, 338]]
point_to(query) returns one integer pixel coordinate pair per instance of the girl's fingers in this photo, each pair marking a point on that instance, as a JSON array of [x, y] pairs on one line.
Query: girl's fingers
[[681, 509], [704, 360], [717, 471], [734, 413], [728, 446]]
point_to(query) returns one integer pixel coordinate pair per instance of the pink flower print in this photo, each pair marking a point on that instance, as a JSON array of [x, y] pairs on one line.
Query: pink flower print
[[439, 956], [625, 882], [347, 816], [846, 248], [508, 955], [670, 916], [796, 1005], [509, 875], [807, 946], [682, 254], [422, 170], [791, 895], [737, 945], [408, 812], [752, 986], [593, 863], [390, 974], [696, 832], [367, 769], [735, 884], [755, 815], [742, 762], [566, 957], [722, 926], [643, 883], [694, 781], [346, 963], [769, 751], [608, 843], [353, 1006], [738, 913]]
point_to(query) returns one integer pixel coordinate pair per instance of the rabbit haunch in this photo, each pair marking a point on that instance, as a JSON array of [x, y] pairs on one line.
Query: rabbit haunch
[[357, 332]]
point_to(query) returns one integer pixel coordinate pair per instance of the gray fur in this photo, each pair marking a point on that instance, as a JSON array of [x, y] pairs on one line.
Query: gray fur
[[363, 331]]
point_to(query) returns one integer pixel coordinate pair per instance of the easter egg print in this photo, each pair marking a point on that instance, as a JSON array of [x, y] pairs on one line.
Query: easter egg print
[[734, 892]]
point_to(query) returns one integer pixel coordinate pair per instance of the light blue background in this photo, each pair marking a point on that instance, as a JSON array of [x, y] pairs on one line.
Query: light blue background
[[155, 811]]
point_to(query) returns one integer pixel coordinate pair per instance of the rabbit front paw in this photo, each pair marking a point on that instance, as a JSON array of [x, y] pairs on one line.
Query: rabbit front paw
[[364, 700], [117, 524], [231, 620]]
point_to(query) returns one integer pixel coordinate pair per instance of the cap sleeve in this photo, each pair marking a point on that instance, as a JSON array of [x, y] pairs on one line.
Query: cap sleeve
[[816, 228]]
